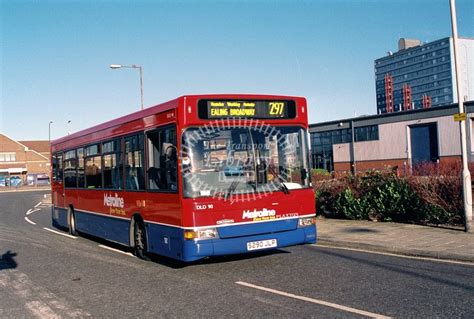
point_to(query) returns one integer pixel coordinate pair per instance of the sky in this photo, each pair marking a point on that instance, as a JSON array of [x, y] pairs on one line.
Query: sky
[[55, 55]]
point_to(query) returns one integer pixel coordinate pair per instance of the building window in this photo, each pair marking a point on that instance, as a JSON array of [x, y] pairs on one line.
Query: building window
[[366, 133], [7, 157]]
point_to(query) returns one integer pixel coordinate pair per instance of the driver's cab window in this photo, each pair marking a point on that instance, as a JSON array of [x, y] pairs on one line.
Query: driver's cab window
[[162, 160]]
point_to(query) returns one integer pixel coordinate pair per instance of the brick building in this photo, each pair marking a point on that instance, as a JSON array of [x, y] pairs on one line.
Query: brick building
[[401, 139], [23, 162]]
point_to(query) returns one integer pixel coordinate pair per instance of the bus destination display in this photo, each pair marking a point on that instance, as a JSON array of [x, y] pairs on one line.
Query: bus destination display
[[220, 109]]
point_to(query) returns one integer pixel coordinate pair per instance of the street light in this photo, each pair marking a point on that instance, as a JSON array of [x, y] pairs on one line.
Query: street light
[[68, 127], [50, 153], [49, 133], [133, 66]]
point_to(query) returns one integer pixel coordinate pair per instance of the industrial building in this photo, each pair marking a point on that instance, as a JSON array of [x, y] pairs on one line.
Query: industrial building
[[421, 75], [399, 140]]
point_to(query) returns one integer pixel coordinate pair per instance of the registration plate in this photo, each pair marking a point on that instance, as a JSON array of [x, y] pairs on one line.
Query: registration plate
[[261, 244]]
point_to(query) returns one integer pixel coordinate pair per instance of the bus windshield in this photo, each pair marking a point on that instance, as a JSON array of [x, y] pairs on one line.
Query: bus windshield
[[243, 160]]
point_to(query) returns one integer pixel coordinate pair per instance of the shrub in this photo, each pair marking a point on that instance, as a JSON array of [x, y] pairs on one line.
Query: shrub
[[382, 196], [442, 198], [318, 174]]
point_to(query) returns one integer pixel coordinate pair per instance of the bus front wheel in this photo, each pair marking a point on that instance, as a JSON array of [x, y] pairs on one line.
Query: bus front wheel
[[139, 240]]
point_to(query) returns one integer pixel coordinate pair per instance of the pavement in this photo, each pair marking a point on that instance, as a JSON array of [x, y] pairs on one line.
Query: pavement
[[403, 239], [24, 189]]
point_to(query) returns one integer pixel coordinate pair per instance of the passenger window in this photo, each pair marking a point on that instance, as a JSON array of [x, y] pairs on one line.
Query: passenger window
[[58, 167], [93, 167], [70, 165], [134, 161], [162, 160], [80, 168], [112, 164]]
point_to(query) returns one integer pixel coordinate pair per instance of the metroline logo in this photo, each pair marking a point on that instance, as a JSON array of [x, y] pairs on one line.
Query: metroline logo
[[113, 201], [264, 213]]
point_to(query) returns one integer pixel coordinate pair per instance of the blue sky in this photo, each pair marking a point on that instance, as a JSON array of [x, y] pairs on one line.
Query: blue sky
[[54, 55]]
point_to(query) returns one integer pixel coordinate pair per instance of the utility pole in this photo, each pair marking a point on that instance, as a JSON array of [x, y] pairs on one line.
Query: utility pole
[[466, 175]]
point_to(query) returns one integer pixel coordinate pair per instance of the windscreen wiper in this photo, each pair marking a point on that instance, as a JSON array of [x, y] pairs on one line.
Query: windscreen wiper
[[281, 185], [232, 188]]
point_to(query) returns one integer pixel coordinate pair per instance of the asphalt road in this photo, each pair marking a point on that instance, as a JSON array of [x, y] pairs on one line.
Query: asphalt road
[[48, 275]]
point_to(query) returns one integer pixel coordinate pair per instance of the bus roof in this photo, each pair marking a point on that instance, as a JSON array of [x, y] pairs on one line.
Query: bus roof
[[163, 107]]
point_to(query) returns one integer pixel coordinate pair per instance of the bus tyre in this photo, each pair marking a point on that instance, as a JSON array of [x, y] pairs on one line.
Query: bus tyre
[[71, 222], [139, 240]]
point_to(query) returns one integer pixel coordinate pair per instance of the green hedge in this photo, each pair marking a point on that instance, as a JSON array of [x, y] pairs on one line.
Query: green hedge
[[383, 196]]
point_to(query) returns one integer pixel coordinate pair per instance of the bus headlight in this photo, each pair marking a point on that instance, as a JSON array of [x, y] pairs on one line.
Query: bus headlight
[[306, 221], [198, 234]]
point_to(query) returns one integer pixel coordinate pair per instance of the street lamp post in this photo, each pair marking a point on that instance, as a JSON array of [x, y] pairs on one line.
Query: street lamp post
[[68, 127], [50, 153], [49, 133], [466, 175], [133, 66]]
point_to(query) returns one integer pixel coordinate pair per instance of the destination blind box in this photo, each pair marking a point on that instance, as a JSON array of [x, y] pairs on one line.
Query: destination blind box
[[250, 109]]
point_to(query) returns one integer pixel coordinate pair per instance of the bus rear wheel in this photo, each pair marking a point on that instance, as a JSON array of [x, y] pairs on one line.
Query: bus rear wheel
[[139, 240], [71, 221]]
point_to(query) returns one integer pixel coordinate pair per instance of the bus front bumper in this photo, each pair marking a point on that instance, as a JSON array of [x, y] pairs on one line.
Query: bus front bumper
[[198, 249]]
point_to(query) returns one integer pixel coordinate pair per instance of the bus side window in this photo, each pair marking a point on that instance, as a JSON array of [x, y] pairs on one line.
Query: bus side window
[[93, 167], [80, 168], [58, 167], [112, 164], [134, 162], [162, 160], [70, 166]]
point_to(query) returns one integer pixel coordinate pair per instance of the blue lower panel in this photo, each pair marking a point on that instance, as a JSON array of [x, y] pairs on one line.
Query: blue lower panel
[[257, 228], [59, 217], [113, 229], [168, 241], [165, 240], [194, 250]]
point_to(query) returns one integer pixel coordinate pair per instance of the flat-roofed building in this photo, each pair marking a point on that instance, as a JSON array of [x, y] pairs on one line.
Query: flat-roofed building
[[402, 140]]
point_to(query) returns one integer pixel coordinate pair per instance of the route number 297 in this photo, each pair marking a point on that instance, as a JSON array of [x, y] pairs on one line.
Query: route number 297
[[276, 108]]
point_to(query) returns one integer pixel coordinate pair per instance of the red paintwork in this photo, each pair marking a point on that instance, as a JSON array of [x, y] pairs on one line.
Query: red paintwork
[[172, 208]]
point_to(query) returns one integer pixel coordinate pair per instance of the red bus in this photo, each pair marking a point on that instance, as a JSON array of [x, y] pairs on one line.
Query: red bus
[[198, 176]]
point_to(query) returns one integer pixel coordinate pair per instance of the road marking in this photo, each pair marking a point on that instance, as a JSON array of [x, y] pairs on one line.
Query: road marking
[[465, 263], [38, 204], [31, 211], [29, 221], [316, 301], [59, 233], [116, 250]]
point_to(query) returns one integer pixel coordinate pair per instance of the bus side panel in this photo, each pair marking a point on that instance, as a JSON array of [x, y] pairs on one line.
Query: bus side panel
[[113, 229], [59, 217], [165, 240]]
